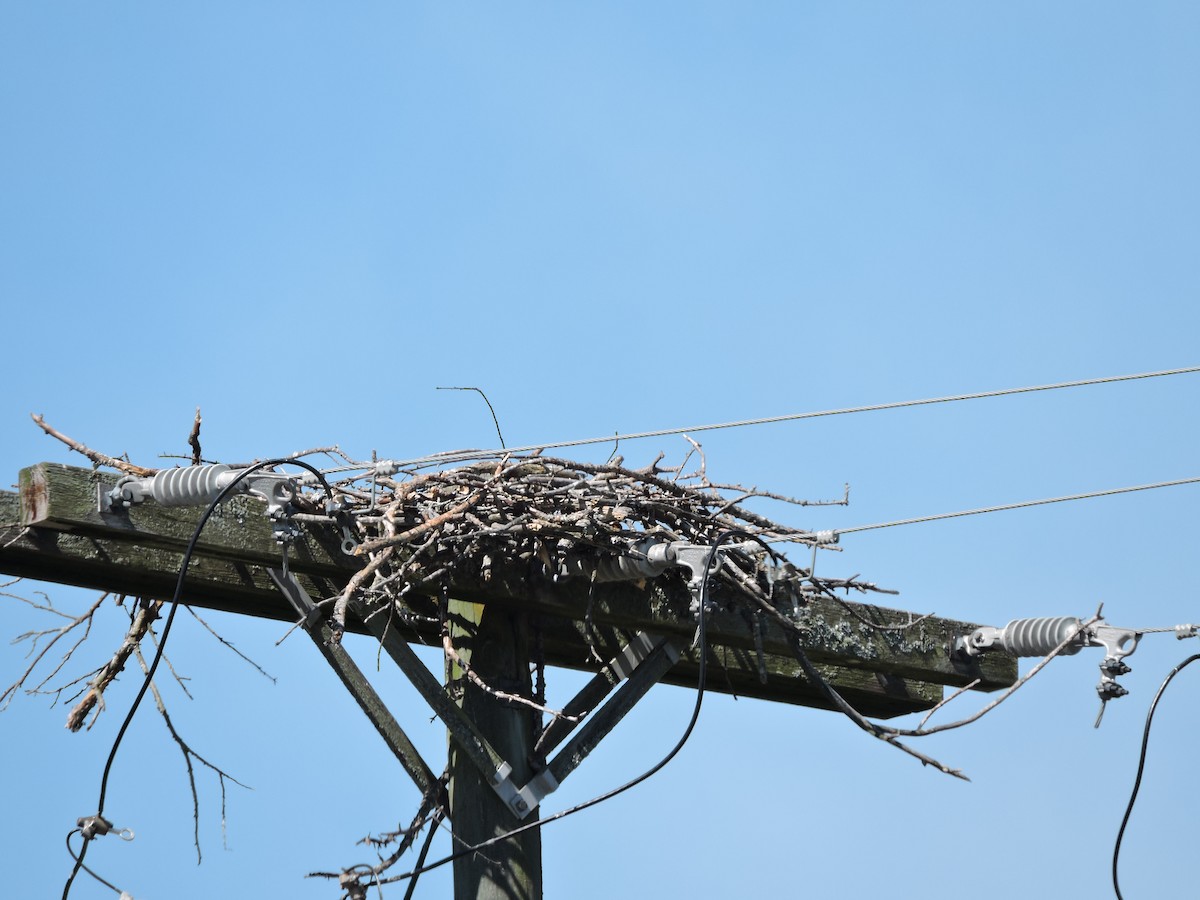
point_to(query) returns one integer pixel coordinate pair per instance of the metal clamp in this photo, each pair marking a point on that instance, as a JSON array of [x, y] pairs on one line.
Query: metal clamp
[[94, 826], [649, 558], [523, 801], [1117, 643]]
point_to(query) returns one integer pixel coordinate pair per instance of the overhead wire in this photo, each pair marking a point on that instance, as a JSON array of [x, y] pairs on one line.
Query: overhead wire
[[453, 456], [466, 455], [1023, 504], [1141, 768]]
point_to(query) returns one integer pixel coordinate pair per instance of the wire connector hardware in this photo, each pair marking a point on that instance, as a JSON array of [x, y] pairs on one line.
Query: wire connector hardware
[[94, 826], [1042, 636]]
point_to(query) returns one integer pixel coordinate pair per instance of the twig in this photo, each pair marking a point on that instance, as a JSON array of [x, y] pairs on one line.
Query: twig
[[95, 456], [432, 811], [871, 728], [747, 493], [188, 755], [700, 473], [943, 702], [16, 537], [261, 671], [34, 636], [194, 439], [418, 530], [111, 669], [338, 619], [453, 655], [902, 626]]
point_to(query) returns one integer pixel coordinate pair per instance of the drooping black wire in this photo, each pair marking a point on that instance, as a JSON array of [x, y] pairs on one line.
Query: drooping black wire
[[1137, 781], [162, 641], [702, 667], [79, 861], [412, 884]]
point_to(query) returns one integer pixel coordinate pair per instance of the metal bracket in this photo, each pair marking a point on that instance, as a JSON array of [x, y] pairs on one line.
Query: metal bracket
[[308, 611], [1117, 643], [650, 558], [642, 661], [632, 654], [522, 801]]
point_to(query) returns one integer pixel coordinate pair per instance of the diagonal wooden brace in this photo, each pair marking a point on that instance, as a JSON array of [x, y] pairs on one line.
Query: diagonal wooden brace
[[356, 683], [643, 661], [647, 674], [604, 682], [462, 730]]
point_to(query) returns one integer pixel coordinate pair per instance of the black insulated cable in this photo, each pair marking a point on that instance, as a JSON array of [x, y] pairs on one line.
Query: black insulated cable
[[162, 641], [1137, 781]]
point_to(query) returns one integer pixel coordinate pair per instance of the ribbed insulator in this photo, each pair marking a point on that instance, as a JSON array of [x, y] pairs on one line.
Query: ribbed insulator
[[188, 486], [629, 568], [1037, 637], [647, 559]]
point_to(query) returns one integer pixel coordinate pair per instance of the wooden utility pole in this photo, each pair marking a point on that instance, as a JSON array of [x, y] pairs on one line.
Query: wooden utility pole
[[495, 644], [500, 759]]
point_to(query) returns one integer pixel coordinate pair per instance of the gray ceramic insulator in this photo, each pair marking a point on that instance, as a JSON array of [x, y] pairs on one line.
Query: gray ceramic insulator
[[190, 485], [1038, 637]]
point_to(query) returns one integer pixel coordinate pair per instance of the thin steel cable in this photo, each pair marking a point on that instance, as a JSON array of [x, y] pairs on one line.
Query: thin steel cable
[[991, 509], [464, 455]]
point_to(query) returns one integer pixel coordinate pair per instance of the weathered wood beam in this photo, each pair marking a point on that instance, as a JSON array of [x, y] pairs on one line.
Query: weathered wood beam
[[66, 498], [236, 544], [843, 633], [125, 567]]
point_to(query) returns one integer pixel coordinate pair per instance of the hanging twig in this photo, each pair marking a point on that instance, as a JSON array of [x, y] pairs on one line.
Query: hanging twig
[[504, 696], [94, 698], [261, 671], [188, 755]]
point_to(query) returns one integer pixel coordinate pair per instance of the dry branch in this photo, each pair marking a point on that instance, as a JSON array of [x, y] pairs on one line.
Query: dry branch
[[194, 440], [55, 634], [188, 755], [95, 456], [94, 698]]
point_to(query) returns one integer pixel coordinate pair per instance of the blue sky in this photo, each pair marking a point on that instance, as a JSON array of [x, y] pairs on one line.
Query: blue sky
[[612, 218]]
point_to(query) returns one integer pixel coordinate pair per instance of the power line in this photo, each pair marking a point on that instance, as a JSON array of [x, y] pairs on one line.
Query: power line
[[464, 455], [1021, 505]]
